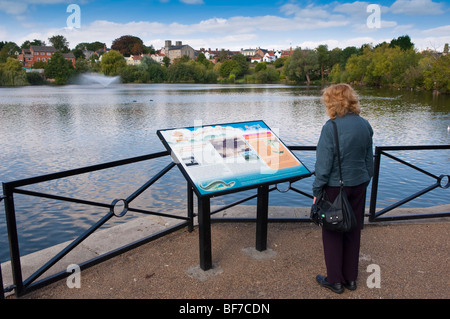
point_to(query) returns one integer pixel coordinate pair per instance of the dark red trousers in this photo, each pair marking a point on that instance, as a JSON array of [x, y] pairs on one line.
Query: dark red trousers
[[341, 250]]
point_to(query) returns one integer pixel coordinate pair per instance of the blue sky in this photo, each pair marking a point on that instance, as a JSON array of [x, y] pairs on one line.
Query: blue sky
[[276, 24]]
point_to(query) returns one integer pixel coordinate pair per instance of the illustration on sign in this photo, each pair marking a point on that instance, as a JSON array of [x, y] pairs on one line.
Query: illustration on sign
[[231, 156]]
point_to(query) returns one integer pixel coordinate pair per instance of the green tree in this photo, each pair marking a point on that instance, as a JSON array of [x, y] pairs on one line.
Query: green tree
[[242, 63], [437, 74], [12, 73], [404, 42], [302, 64], [229, 67], [35, 78], [260, 66], [93, 46], [152, 68], [222, 56], [166, 61], [60, 43], [267, 75], [323, 59], [112, 63], [59, 68], [28, 43]]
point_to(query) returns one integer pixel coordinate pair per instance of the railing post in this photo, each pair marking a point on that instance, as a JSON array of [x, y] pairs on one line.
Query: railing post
[[2, 291], [13, 238], [374, 191]]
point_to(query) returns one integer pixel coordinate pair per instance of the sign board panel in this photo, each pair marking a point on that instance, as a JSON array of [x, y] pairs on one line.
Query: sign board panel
[[225, 158]]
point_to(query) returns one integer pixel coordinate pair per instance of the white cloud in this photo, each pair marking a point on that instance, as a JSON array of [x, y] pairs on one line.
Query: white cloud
[[192, 1], [332, 43], [417, 7], [13, 7], [444, 30]]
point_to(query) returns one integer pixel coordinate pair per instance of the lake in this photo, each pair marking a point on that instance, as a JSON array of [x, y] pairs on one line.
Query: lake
[[47, 129]]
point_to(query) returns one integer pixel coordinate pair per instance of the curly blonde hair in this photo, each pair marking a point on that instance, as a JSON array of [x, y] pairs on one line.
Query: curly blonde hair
[[340, 99]]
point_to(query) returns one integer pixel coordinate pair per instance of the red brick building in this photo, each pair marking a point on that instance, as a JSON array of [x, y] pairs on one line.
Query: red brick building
[[41, 53]]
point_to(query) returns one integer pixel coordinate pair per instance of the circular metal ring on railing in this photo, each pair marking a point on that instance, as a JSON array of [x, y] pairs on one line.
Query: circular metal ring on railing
[[284, 190], [117, 203], [442, 178]]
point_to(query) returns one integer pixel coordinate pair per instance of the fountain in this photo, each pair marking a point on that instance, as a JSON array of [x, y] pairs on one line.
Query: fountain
[[96, 78]]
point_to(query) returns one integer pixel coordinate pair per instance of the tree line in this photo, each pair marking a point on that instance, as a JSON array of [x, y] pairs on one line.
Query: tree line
[[396, 64]]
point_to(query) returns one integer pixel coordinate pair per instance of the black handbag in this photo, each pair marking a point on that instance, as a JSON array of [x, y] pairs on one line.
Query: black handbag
[[337, 215]]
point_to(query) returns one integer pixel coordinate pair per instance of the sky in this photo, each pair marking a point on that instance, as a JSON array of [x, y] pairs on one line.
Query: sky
[[230, 24]]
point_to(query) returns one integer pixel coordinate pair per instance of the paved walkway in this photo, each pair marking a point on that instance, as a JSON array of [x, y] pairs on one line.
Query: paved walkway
[[412, 257]]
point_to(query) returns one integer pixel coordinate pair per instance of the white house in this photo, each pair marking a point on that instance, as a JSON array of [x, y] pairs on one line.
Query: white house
[[158, 56], [256, 59], [269, 57]]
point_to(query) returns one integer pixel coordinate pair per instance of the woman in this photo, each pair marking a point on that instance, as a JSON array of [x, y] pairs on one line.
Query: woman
[[341, 250]]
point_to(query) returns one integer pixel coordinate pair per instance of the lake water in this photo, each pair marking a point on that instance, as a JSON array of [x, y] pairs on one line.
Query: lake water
[[50, 129]]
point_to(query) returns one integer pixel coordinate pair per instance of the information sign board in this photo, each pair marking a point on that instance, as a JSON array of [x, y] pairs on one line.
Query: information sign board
[[225, 158]]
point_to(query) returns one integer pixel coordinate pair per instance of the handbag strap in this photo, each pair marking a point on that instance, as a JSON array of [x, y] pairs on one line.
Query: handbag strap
[[336, 139]]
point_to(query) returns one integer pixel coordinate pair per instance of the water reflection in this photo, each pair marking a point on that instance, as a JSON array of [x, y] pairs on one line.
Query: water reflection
[[50, 129]]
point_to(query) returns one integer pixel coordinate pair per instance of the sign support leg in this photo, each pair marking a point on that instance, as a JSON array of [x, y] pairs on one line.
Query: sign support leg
[[262, 211], [204, 224]]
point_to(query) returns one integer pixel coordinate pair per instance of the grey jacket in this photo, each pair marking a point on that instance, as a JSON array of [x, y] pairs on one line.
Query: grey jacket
[[355, 147]]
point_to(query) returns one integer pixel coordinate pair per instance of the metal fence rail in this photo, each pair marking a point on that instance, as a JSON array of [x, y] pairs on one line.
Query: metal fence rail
[[23, 286], [375, 216]]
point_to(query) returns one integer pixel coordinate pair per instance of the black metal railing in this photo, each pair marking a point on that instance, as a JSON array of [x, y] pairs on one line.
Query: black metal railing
[[22, 286], [31, 283], [375, 216]]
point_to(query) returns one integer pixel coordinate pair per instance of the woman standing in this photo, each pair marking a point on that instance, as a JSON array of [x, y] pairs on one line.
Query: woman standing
[[341, 250]]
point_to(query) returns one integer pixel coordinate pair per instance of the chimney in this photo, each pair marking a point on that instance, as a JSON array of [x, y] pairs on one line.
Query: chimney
[[178, 43]]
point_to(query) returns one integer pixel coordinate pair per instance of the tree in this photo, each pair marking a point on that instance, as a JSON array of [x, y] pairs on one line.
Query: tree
[[229, 67], [301, 65], [222, 56], [112, 63], [59, 68], [242, 63], [166, 61], [404, 42], [128, 45], [93, 46], [60, 43], [28, 43], [11, 73], [323, 58], [437, 74]]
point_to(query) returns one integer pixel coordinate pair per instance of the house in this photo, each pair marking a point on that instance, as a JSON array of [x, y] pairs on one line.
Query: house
[[38, 53], [69, 57], [248, 52], [261, 52], [256, 59], [269, 57], [134, 60], [209, 54], [178, 50], [286, 53], [158, 56]]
